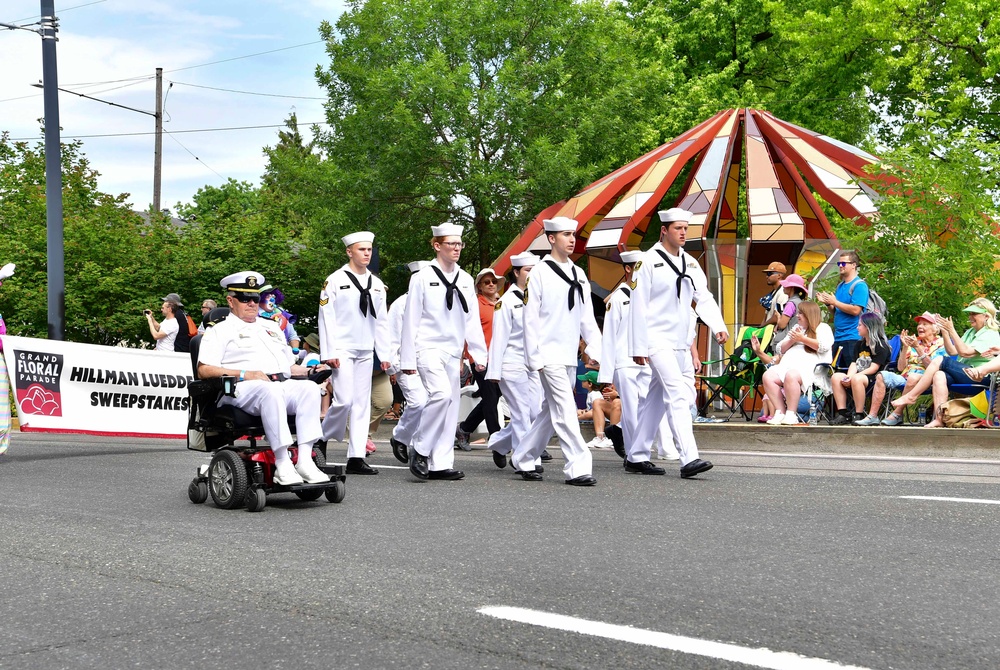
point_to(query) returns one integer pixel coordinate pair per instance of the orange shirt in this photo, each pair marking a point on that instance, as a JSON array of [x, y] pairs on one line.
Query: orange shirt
[[486, 309]]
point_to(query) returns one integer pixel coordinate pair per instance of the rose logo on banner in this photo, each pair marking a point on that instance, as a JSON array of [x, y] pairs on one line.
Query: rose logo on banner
[[36, 380]]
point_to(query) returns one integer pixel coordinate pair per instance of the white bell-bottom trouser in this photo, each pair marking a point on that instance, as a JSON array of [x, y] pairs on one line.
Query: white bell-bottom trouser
[[523, 392], [435, 437], [668, 394], [558, 413], [273, 402], [351, 399], [416, 398]]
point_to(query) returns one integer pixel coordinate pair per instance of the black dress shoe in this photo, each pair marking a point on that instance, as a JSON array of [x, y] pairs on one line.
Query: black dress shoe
[[399, 450], [418, 465], [449, 475], [617, 437], [538, 468], [546, 456], [582, 480], [530, 475], [695, 467], [359, 466], [645, 468], [500, 460]]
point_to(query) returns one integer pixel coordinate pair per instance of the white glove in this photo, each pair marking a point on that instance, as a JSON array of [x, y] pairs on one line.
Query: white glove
[[7, 271]]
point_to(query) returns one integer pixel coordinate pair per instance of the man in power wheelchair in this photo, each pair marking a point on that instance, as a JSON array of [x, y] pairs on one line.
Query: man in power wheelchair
[[247, 385]]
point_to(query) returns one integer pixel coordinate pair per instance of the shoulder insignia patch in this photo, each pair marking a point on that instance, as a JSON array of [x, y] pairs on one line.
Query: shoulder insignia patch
[[497, 307], [632, 284], [638, 265], [323, 302], [525, 301]]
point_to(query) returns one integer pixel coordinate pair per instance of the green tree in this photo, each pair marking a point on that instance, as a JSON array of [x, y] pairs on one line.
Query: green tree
[[113, 260], [935, 244], [482, 113]]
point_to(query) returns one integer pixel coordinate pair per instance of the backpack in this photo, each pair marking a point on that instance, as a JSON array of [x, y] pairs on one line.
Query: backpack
[[185, 331], [875, 301]]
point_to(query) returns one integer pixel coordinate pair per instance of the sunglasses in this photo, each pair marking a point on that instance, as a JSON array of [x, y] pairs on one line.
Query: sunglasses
[[245, 298], [844, 264], [487, 281], [771, 272]]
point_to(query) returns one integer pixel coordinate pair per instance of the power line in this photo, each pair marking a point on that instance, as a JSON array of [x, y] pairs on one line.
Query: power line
[[260, 53], [266, 95], [174, 132], [192, 154], [37, 16]]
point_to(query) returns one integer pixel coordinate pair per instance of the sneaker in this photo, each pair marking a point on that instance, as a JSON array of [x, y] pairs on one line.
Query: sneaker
[[841, 419], [594, 442], [776, 419], [605, 443], [892, 420], [790, 419], [763, 418], [462, 439], [369, 446], [709, 419], [867, 421]]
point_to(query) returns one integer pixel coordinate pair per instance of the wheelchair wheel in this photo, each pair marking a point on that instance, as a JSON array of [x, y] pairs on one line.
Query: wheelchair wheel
[[336, 493], [310, 494], [198, 491], [255, 500], [227, 479]]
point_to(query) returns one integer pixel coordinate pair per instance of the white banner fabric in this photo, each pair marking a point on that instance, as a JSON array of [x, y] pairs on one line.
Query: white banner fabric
[[86, 388]]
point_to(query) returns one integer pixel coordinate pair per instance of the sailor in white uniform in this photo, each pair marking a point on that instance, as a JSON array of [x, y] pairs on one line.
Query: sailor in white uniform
[[630, 379], [253, 349], [388, 337], [558, 311], [351, 304], [441, 318], [520, 386], [667, 281]]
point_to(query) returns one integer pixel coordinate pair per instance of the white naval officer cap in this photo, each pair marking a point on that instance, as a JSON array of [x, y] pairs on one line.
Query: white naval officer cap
[[674, 214], [446, 230], [243, 282], [354, 238], [416, 266], [525, 259], [629, 257], [7, 271], [559, 224]]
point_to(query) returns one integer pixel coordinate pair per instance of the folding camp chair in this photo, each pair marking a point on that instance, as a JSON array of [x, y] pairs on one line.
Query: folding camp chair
[[740, 376]]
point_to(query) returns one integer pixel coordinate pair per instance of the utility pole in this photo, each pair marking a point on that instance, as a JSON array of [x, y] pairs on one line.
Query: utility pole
[[158, 151], [53, 175]]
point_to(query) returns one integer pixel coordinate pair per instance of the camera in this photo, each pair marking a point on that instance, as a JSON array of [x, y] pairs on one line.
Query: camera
[[147, 311]]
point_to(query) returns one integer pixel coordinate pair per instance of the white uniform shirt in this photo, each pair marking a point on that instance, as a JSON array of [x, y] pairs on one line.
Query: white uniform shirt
[[429, 324], [616, 334], [552, 330], [507, 344], [660, 319], [342, 326], [389, 332], [234, 343]]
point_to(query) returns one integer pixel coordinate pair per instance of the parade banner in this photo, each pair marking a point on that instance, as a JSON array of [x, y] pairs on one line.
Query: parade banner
[[86, 388]]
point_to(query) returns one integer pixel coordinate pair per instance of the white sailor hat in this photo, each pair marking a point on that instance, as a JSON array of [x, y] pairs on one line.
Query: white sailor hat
[[417, 266], [525, 259], [7, 271], [354, 238], [487, 271], [559, 224], [674, 214], [243, 282], [629, 257], [446, 230]]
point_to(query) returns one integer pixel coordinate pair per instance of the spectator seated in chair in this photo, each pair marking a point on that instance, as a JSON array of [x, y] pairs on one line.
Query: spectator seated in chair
[[809, 342], [915, 354], [253, 350], [860, 376], [600, 409], [978, 345]]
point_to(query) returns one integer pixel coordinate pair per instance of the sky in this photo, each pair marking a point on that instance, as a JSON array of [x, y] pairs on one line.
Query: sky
[[110, 49]]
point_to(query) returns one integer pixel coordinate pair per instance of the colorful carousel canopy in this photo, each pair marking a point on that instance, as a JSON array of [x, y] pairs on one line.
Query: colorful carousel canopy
[[784, 165]]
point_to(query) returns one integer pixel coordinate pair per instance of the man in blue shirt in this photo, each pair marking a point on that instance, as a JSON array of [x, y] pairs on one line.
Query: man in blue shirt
[[847, 303]]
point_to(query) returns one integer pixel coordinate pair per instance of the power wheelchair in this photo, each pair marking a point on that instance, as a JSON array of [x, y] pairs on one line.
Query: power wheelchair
[[242, 475]]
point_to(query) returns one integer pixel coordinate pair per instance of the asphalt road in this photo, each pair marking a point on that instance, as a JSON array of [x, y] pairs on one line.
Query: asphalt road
[[104, 563]]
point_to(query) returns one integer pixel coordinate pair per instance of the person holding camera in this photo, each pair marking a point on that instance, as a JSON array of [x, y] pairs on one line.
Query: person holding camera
[[165, 332]]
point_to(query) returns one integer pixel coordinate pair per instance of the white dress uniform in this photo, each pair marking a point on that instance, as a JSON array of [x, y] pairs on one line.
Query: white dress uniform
[[440, 318], [234, 343], [660, 324], [556, 315], [388, 336], [521, 386], [350, 307]]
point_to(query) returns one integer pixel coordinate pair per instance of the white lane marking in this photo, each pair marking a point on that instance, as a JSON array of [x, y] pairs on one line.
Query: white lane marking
[[377, 466], [854, 457], [760, 657], [981, 501]]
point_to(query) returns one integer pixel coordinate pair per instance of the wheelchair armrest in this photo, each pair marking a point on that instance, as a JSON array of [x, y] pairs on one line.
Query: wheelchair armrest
[[317, 377]]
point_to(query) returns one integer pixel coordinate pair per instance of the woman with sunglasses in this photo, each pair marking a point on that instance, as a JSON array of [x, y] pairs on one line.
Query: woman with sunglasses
[[487, 290], [439, 321]]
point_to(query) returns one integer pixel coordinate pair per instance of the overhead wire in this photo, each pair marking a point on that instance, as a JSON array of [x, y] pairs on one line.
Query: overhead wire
[[266, 95], [171, 135], [38, 16], [175, 132]]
